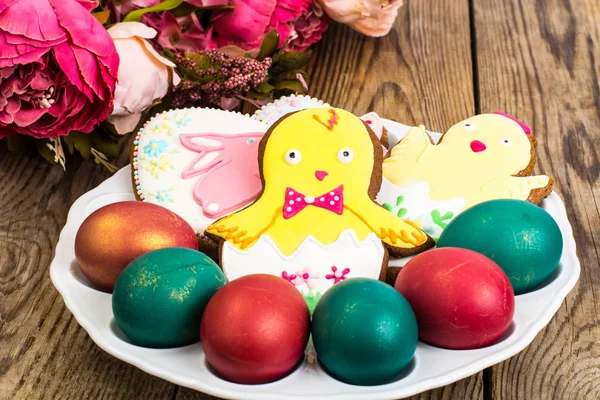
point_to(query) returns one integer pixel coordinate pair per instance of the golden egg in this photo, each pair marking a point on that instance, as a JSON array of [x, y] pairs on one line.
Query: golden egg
[[114, 235]]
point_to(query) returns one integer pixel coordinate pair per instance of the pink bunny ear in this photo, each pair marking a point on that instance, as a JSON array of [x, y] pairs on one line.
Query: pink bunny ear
[[523, 125], [374, 122], [236, 163], [192, 142]]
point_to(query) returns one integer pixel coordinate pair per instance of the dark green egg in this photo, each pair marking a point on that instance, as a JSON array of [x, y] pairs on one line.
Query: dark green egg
[[364, 332], [522, 238], [159, 298]]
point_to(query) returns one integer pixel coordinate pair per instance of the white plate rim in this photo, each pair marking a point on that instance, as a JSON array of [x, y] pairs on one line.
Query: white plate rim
[[64, 251]]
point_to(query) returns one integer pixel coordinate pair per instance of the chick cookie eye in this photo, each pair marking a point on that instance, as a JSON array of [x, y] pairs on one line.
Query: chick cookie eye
[[505, 142], [470, 127], [293, 157], [345, 156]]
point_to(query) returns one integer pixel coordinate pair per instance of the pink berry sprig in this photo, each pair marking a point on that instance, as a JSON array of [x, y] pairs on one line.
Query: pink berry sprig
[[210, 76]]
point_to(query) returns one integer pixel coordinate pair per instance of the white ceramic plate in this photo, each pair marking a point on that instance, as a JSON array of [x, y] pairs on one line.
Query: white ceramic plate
[[432, 367]]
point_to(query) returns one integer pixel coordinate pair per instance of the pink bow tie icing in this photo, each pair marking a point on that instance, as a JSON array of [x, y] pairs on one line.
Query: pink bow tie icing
[[296, 202]]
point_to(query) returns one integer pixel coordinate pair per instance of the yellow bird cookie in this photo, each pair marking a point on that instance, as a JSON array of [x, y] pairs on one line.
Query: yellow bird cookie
[[486, 157], [316, 222]]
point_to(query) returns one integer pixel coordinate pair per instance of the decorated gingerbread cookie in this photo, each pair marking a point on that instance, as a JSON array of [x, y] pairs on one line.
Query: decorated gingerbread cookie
[[271, 112], [200, 163], [316, 222], [486, 157]]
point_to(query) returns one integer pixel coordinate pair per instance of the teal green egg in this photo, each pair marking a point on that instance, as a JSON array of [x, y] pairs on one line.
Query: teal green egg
[[522, 238], [364, 332], [159, 298]]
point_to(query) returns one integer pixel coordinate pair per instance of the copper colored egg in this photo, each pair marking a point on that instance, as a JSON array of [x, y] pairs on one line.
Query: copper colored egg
[[114, 235]]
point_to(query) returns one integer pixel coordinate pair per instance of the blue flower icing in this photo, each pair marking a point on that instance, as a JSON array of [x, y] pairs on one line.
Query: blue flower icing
[[156, 147]]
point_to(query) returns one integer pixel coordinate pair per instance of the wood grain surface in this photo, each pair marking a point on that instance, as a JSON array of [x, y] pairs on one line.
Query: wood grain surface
[[443, 61]]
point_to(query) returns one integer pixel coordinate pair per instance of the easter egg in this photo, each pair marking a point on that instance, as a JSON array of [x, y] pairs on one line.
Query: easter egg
[[522, 238], [255, 329], [462, 299], [159, 298], [364, 332], [114, 235]]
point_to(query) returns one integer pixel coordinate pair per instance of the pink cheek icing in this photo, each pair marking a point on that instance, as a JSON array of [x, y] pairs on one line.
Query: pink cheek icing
[[477, 146]]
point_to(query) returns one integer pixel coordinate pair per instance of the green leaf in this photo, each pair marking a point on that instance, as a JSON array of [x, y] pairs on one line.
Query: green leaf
[[259, 96], [169, 54], [291, 74], [17, 142], [290, 85], [104, 144], [203, 63], [69, 142], [264, 87], [387, 207], [165, 5], [292, 60], [183, 10], [81, 142], [399, 200], [269, 45], [280, 52], [402, 212], [44, 151], [102, 16]]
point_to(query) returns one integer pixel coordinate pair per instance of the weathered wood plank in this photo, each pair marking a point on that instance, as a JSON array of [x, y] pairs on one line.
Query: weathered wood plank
[[540, 61], [421, 72], [45, 353]]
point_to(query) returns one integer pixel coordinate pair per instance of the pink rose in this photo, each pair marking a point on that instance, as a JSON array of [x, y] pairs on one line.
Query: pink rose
[[144, 75], [302, 22], [57, 68], [370, 17]]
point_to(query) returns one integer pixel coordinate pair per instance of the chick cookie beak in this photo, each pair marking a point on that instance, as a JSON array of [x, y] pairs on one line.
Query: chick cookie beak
[[477, 146], [321, 175]]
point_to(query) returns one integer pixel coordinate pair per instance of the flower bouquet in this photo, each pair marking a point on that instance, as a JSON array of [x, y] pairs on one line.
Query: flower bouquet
[[75, 75]]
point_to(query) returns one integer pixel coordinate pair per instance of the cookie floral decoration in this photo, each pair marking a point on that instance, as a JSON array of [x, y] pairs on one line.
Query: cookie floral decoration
[[321, 169]]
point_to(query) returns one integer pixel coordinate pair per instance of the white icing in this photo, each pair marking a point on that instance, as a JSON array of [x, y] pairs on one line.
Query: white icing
[[178, 191], [418, 204], [212, 207], [363, 258], [273, 111]]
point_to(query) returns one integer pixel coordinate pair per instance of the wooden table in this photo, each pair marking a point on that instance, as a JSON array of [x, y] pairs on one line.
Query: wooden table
[[445, 60]]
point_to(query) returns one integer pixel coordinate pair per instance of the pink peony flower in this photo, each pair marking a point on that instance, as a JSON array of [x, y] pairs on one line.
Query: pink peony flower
[[144, 75], [182, 33], [301, 22], [370, 17], [57, 68]]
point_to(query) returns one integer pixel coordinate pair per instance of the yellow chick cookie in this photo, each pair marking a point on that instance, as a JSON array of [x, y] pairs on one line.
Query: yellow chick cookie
[[316, 222], [486, 157]]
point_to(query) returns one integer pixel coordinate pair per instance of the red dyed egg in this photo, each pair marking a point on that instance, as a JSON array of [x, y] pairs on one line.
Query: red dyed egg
[[116, 234], [255, 329], [462, 299]]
